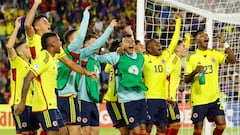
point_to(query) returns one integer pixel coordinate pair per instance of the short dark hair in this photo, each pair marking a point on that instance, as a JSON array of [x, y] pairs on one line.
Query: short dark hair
[[137, 41], [37, 18], [179, 42], [44, 39], [199, 31], [127, 35], [89, 36], [67, 34], [114, 45]]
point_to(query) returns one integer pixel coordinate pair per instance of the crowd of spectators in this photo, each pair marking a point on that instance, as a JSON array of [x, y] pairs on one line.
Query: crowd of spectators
[[63, 15]]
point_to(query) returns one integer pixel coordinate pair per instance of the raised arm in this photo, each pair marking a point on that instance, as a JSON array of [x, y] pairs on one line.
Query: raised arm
[[108, 58], [176, 33], [10, 44], [29, 19], [75, 67], [100, 41], [77, 43], [230, 58], [187, 40]]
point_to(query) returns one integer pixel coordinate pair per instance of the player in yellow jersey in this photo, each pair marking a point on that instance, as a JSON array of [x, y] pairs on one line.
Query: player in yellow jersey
[[35, 27], [44, 70], [173, 70], [205, 95], [154, 78], [19, 58]]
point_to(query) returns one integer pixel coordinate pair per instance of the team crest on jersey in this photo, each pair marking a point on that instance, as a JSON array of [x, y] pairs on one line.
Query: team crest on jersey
[[78, 119], [195, 115], [133, 70], [36, 67], [55, 123], [163, 61], [84, 120], [168, 68], [24, 124], [213, 60], [131, 119], [96, 69], [178, 116], [148, 117]]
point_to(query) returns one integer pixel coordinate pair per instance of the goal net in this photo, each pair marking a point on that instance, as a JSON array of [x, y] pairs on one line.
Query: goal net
[[214, 17]]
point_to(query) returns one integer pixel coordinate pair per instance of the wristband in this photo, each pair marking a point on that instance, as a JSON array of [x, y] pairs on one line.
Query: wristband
[[226, 45]]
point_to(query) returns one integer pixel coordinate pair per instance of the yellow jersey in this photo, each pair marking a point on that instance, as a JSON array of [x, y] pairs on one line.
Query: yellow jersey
[[36, 47], [155, 75], [111, 95], [210, 59], [45, 69], [154, 70], [19, 69], [173, 70]]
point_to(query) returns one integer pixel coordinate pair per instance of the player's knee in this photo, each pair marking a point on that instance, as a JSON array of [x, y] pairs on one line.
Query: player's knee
[[161, 129], [197, 130], [221, 127], [176, 125]]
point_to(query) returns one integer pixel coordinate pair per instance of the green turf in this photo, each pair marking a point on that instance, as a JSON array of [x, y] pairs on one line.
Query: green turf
[[113, 131]]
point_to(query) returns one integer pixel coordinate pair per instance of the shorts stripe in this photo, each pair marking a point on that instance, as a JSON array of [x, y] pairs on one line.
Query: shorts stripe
[[80, 107], [116, 111], [47, 119], [18, 121], [172, 113], [72, 109], [124, 113]]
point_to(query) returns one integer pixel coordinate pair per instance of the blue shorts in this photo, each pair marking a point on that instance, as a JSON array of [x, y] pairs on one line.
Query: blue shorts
[[24, 122], [173, 114], [157, 112], [209, 110], [48, 119], [90, 114], [60, 119], [115, 112], [69, 109], [134, 113]]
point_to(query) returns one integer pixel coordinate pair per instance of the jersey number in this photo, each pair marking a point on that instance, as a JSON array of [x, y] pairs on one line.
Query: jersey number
[[158, 68], [208, 69]]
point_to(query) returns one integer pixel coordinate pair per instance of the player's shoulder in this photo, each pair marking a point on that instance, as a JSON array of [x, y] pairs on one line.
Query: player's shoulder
[[215, 51], [191, 56]]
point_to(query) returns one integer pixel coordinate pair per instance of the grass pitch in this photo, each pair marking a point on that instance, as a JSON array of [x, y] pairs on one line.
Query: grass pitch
[[113, 131]]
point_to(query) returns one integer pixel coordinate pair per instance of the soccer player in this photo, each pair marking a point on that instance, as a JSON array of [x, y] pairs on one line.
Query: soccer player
[[154, 73], [88, 91], [131, 90], [44, 71], [67, 80], [205, 97], [173, 70], [35, 28], [112, 105], [19, 58]]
